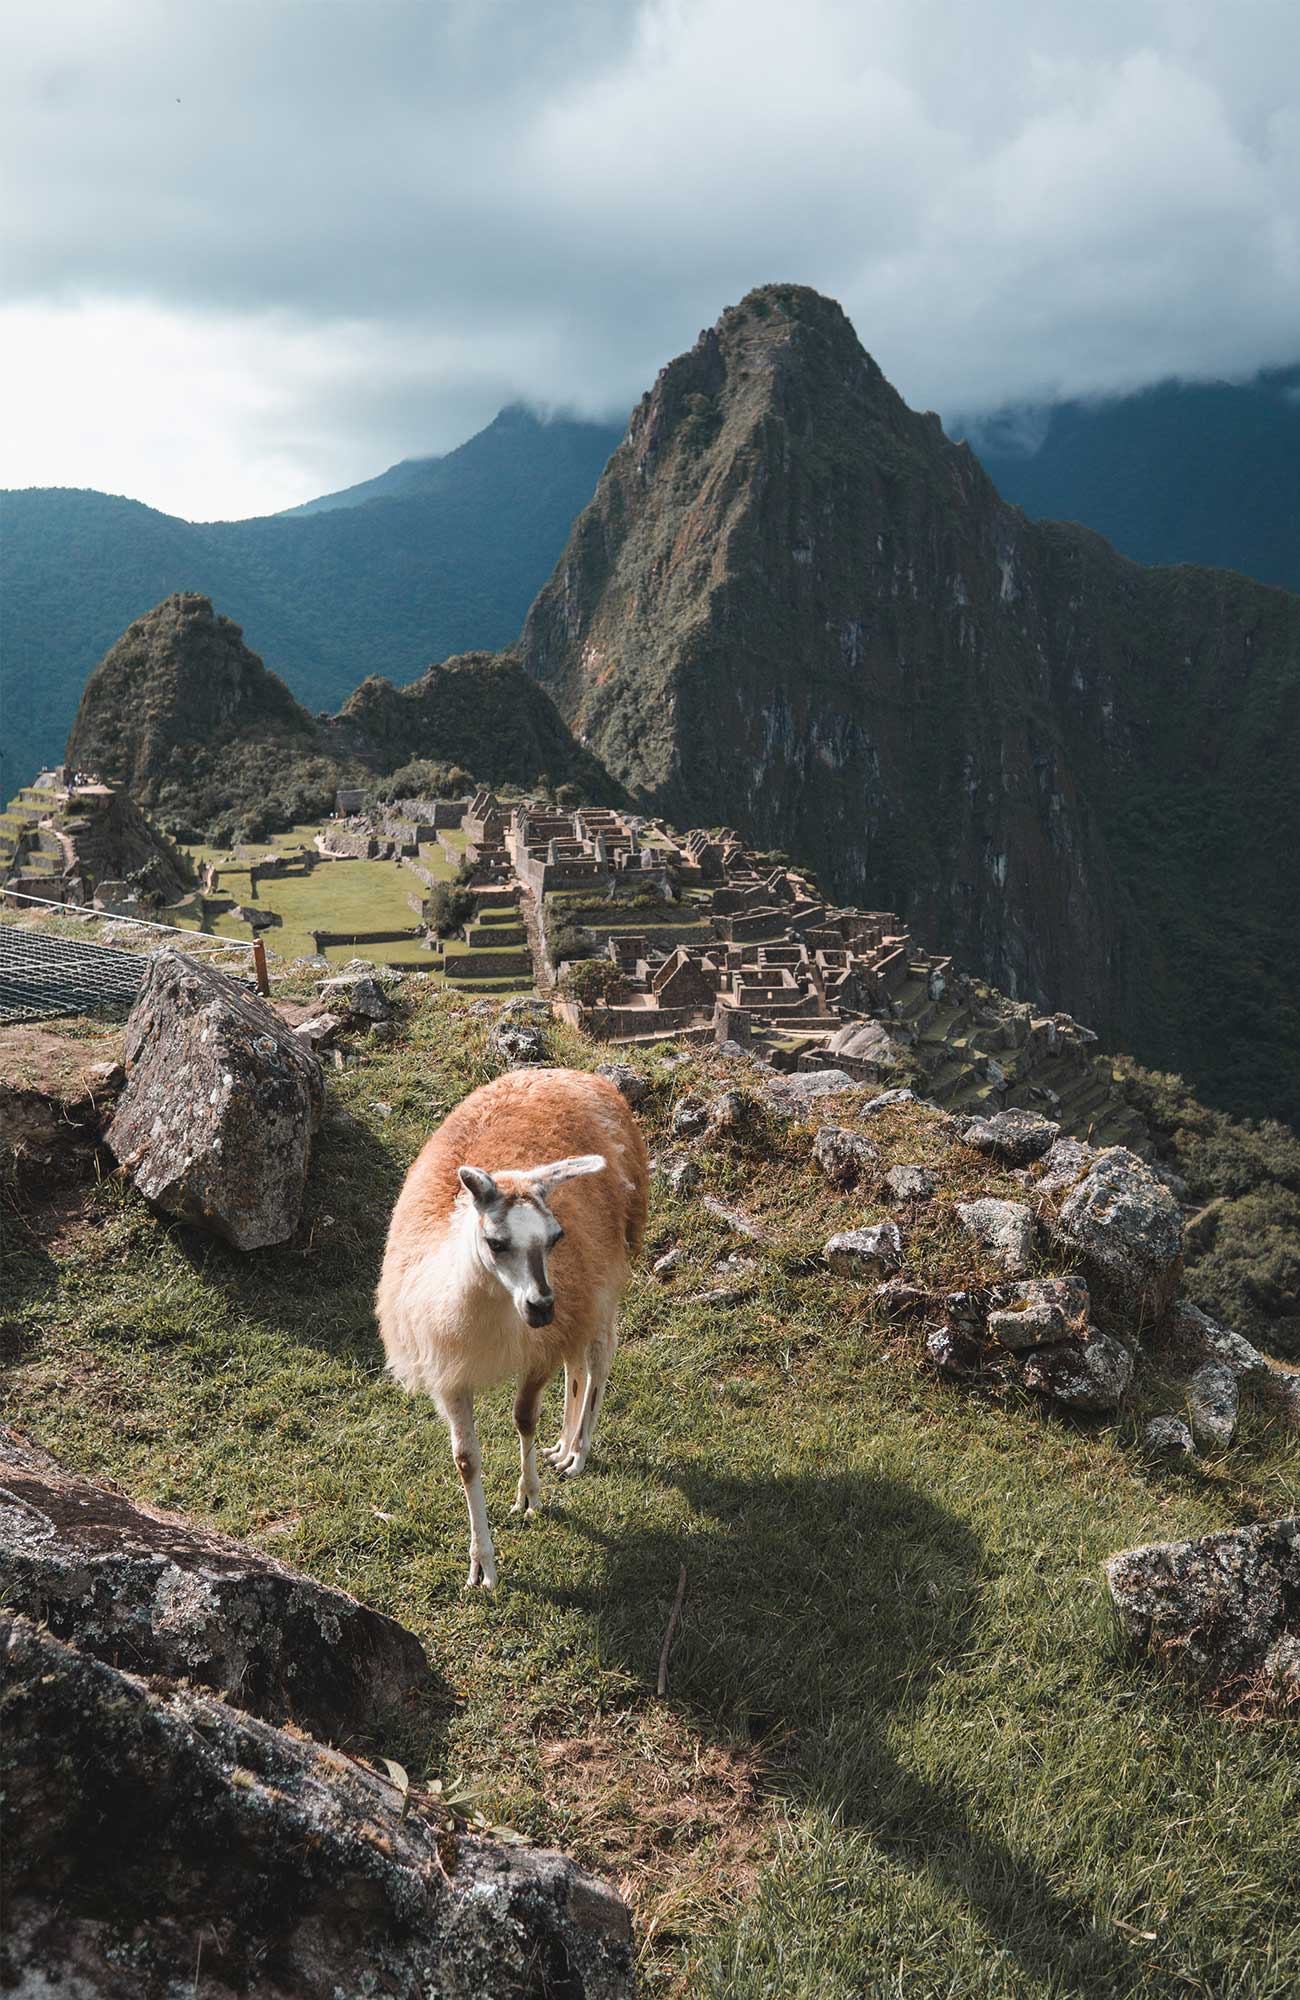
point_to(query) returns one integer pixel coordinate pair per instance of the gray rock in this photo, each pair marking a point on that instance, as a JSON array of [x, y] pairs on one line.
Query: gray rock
[[861, 1252], [1282, 1666], [1204, 1336], [1127, 1230], [1213, 1400], [634, 1086], [805, 1087], [884, 1099], [1004, 1228], [953, 1350], [735, 1112], [899, 1294], [520, 1044], [691, 1118], [137, 1586], [1092, 1375], [1221, 1604], [220, 1107], [844, 1157], [735, 1218], [910, 1183], [147, 1819], [680, 1174], [1039, 1310], [319, 1031], [1063, 1164], [1017, 1137], [359, 994], [1167, 1437]]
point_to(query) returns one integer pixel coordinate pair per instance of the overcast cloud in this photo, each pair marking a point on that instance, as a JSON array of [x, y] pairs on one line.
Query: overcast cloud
[[256, 249]]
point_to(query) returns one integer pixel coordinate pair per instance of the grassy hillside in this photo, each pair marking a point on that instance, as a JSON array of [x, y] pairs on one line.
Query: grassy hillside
[[900, 1752], [379, 588]]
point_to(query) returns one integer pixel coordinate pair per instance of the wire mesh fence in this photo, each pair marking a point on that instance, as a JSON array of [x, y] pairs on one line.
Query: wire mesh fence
[[42, 977]]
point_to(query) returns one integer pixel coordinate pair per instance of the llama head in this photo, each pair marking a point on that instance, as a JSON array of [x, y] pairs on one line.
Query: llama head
[[515, 1231]]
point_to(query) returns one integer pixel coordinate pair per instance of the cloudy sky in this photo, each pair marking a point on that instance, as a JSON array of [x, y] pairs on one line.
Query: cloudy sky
[[257, 249]]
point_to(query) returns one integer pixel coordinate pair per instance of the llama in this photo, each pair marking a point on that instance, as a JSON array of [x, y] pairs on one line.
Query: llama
[[509, 1269]]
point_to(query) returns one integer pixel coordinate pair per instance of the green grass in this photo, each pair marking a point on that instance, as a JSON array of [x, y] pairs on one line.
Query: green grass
[[335, 896], [901, 1753]]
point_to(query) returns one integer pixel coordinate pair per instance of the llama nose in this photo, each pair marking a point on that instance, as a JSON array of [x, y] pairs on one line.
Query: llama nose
[[541, 1310]]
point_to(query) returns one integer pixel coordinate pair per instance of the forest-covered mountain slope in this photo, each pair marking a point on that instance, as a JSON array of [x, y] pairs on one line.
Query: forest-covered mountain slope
[[795, 606]]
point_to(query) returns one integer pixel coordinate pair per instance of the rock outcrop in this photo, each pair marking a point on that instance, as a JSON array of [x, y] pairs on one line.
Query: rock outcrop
[[1226, 1607], [221, 1103], [1127, 1230], [143, 1589], [153, 1834]]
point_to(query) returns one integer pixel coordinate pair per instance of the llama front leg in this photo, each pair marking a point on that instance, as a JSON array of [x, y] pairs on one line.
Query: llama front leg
[[459, 1412], [575, 1384], [528, 1411], [600, 1359]]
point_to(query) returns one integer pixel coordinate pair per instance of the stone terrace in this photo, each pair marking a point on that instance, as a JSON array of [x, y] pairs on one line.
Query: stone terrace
[[807, 985]]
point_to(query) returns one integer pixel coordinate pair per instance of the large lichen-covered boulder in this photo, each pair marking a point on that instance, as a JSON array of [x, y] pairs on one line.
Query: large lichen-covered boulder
[[221, 1103], [159, 1842], [145, 1589], [1126, 1228], [1225, 1607]]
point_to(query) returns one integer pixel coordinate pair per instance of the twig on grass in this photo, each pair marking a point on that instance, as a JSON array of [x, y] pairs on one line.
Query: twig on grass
[[673, 1616]]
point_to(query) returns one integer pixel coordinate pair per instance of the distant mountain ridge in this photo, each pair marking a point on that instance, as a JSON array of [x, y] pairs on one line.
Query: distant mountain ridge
[[438, 562], [1181, 472]]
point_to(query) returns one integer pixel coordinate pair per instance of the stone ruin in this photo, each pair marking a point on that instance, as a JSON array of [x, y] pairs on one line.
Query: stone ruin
[[71, 839], [808, 985]]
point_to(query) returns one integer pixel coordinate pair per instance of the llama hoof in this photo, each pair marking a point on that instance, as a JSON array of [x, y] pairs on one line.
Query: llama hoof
[[526, 1504], [482, 1575], [570, 1466], [555, 1454]]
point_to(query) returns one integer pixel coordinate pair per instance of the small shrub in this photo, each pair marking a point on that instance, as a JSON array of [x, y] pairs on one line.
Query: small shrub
[[448, 908], [572, 943], [591, 980]]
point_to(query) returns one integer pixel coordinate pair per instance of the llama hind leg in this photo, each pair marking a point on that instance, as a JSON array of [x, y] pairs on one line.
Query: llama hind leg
[[528, 1410], [459, 1412], [575, 1385], [600, 1359]]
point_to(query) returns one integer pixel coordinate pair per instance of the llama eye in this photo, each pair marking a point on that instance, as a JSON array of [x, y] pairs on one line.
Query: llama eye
[[498, 1242]]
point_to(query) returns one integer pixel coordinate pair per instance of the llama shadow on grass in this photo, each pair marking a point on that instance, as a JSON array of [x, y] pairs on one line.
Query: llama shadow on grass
[[819, 1611]]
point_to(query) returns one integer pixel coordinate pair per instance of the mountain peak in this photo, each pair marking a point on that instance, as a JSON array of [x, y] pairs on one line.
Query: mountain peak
[[795, 606], [178, 677]]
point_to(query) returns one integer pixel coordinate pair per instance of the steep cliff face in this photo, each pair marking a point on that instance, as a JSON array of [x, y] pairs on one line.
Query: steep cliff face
[[795, 606]]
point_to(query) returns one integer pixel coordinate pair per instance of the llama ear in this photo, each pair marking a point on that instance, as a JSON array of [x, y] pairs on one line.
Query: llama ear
[[482, 1186], [551, 1175]]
